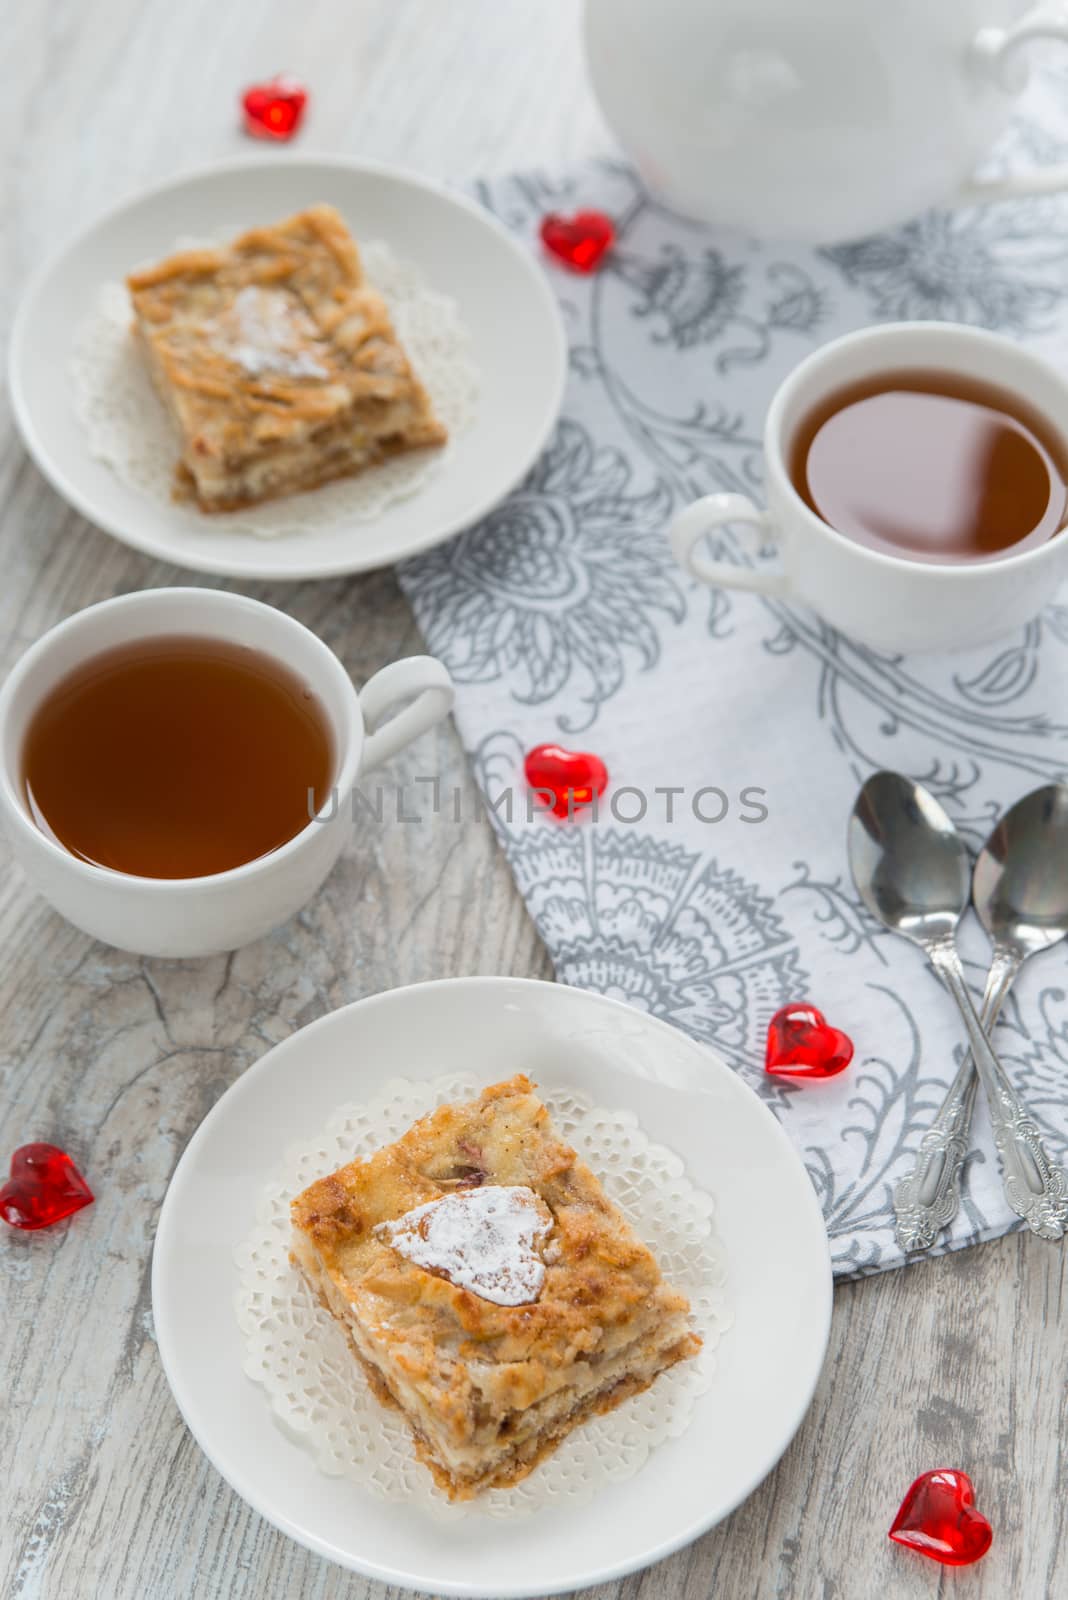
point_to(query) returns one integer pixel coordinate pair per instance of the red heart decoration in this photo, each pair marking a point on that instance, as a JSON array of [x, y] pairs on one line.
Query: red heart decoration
[[563, 779], [44, 1187], [579, 241], [938, 1518], [273, 110], [802, 1044]]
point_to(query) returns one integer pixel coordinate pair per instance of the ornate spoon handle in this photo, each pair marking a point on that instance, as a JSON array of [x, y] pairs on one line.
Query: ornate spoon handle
[[927, 1198], [1036, 1189]]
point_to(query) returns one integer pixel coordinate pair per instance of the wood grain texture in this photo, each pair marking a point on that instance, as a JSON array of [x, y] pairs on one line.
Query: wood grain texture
[[954, 1362]]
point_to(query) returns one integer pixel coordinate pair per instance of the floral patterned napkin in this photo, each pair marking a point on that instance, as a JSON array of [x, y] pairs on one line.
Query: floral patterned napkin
[[562, 617]]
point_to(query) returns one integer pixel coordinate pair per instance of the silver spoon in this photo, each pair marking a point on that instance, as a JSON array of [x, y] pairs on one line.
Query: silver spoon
[[911, 868], [1020, 890]]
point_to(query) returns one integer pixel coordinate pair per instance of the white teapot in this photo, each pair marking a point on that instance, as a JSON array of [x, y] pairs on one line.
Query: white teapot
[[815, 119]]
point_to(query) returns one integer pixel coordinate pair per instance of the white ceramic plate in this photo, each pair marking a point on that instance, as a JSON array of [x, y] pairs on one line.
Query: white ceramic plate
[[517, 342], [685, 1097]]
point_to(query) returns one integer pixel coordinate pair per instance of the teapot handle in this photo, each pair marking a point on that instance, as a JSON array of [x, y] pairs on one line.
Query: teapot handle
[[994, 52]]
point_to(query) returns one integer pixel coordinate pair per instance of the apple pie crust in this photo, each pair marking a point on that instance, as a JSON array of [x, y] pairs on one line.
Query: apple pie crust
[[278, 363], [488, 1389]]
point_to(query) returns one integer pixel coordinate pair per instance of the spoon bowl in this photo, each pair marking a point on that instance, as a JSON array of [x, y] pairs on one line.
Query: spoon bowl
[[909, 863], [1020, 883]]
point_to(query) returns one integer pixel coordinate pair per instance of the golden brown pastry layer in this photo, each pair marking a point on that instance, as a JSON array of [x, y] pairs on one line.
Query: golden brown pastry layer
[[489, 1389], [278, 363]]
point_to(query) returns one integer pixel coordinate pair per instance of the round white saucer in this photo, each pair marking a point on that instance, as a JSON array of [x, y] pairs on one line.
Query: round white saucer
[[767, 1218], [517, 343]]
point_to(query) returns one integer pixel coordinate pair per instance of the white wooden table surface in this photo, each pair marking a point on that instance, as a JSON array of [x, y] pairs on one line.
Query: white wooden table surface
[[106, 1497]]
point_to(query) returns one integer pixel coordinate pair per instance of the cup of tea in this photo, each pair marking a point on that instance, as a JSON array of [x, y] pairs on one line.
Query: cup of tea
[[171, 763], [917, 489]]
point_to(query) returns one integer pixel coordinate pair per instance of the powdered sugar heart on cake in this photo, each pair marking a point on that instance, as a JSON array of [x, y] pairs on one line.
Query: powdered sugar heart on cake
[[482, 1239], [265, 330]]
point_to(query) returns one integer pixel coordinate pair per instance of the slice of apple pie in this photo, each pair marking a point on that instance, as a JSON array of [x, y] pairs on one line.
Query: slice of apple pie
[[278, 363], [488, 1286]]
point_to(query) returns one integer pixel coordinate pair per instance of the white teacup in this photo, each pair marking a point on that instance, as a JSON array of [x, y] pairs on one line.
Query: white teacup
[[201, 916], [884, 600]]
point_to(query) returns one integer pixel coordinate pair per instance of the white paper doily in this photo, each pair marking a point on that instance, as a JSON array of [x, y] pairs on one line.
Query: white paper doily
[[127, 427], [296, 1350]]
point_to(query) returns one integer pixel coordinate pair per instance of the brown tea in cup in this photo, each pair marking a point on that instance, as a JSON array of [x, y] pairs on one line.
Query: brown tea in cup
[[932, 466], [177, 757]]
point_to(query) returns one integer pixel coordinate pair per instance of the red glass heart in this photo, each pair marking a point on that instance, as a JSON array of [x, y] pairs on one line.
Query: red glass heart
[[938, 1518], [802, 1044], [580, 241], [45, 1186], [273, 110], [563, 779]]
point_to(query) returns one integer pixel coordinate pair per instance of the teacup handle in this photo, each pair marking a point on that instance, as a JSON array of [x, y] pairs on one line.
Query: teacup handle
[[994, 51], [420, 676], [705, 516]]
